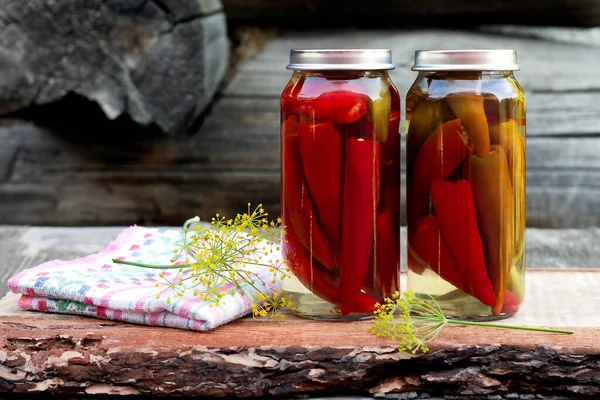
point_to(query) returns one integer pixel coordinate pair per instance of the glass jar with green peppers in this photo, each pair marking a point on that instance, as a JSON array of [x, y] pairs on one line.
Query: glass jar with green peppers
[[465, 163], [340, 165]]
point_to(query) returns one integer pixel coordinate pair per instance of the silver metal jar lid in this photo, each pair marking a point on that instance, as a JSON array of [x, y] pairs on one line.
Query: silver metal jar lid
[[340, 59], [465, 60]]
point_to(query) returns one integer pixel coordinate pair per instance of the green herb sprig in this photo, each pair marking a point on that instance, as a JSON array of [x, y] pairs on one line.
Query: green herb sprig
[[219, 259], [414, 321]]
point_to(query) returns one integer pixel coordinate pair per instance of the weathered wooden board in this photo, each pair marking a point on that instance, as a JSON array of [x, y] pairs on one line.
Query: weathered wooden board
[[400, 12], [584, 35], [115, 178], [26, 247], [48, 353], [545, 65], [165, 181]]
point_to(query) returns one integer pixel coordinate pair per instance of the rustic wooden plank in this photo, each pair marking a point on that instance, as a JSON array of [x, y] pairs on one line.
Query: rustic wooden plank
[[548, 114], [254, 82], [545, 65], [113, 180], [47, 353], [413, 396], [15, 261], [539, 310], [381, 12], [409, 395], [586, 36], [26, 247], [253, 124], [116, 179], [85, 202], [216, 177]]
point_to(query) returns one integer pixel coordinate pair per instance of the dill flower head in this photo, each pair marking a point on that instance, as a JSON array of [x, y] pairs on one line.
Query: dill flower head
[[271, 306], [410, 320], [414, 321], [229, 256]]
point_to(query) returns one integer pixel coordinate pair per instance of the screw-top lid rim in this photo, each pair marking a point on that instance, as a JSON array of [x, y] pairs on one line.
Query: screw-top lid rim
[[340, 59], [466, 60]]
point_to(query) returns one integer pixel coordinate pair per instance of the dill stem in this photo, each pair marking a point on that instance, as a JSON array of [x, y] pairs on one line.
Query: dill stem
[[136, 264], [522, 328]]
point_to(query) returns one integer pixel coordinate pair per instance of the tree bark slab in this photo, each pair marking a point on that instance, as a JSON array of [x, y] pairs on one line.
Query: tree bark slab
[[248, 358]]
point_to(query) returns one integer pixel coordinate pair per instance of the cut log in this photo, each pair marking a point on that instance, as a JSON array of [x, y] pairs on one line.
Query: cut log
[[157, 62], [45, 353], [399, 12]]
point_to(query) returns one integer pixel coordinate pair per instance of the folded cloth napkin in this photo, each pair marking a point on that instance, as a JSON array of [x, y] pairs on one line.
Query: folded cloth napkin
[[97, 287]]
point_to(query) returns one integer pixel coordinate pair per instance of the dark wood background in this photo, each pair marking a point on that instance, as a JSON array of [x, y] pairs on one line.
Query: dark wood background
[[63, 163], [406, 12]]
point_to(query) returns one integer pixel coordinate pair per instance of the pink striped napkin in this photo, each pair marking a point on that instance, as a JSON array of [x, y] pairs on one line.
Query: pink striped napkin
[[95, 286]]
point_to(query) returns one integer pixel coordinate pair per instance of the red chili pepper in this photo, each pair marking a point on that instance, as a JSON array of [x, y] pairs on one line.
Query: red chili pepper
[[300, 216], [369, 285], [289, 96], [297, 96], [361, 192], [511, 303], [428, 248], [361, 129], [455, 211], [302, 97], [413, 264], [387, 254], [289, 127], [340, 106], [442, 153], [316, 279], [321, 150]]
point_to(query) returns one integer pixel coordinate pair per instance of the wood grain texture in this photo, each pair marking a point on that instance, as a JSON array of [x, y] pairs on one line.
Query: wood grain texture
[[397, 12], [119, 178], [158, 62], [546, 66], [118, 181], [247, 358], [26, 247], [89, 357]]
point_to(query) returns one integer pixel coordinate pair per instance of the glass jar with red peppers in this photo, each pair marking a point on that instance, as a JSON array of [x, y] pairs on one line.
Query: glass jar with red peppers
[[465, 162], [340, 165]]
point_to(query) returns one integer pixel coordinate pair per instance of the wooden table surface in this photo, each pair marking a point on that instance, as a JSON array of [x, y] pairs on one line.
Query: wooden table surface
[[46, 353], [24, 247]]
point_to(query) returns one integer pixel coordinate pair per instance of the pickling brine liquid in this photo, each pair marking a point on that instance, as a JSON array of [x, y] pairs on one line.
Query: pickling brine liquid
[[340, 145], [465, 150]]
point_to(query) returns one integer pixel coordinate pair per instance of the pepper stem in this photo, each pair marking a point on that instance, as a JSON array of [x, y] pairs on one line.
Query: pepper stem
[[522, 328]]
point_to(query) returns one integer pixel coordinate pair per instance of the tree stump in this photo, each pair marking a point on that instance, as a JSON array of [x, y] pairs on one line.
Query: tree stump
[[158, 62]]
